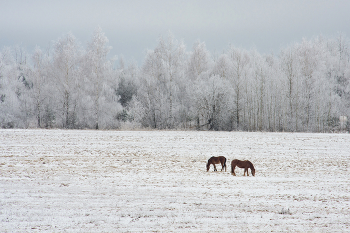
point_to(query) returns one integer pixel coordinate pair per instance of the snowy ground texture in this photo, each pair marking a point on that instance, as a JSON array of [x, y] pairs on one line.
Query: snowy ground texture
[[120, 181]]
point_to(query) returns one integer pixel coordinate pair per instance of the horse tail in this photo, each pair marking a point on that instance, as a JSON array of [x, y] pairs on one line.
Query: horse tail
[[225, 163]]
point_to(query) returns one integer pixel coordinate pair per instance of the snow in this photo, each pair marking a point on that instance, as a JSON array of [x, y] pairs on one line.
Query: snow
[[108, 181]]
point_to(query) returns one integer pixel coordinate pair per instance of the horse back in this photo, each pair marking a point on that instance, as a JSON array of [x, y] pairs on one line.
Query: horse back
[[222, 159], [240, 163], [217, 160]]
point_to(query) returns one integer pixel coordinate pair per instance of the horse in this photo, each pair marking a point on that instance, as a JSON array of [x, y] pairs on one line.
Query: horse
[[242, 164], [216, 160]]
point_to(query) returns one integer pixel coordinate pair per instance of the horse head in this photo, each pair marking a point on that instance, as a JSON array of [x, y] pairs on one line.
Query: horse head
[[208, 166]]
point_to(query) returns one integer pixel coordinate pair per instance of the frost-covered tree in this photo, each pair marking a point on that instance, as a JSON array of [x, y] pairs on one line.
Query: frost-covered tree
[[199, 66], [66, 79], [305, 88], [274, 103], [338, 78], [100, 101], [162, 78], [222, 66], [9, 84], [212, 101], [259, 92], [199, 61], [341, 71], [238, 63], [14, 88], [292, 89], [308, 69], [39, 92]]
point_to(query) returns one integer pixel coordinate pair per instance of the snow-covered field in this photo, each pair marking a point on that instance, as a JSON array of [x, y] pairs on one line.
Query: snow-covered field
[[117, 181]]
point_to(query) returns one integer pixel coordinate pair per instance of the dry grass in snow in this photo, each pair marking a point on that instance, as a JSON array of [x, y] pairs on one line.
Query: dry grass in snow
[[118, 181]]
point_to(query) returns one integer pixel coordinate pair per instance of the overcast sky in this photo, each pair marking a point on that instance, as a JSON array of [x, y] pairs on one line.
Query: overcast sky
[[133, 26]]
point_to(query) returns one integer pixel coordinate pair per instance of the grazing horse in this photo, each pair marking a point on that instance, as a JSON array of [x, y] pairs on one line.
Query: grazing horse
[[242, 164], [216, 160]]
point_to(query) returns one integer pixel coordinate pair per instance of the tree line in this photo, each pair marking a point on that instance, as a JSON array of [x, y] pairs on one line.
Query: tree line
[[304, 88]]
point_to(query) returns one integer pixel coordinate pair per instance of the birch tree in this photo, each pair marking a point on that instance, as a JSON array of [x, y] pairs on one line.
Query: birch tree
[[99, 86], [238, 61], [290, 67], [199, 60], [164, 72], [212, 102], [66, 72], [39, 79]]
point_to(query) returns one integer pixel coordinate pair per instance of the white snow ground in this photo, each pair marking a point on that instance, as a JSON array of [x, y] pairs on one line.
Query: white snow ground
[[118, 181]]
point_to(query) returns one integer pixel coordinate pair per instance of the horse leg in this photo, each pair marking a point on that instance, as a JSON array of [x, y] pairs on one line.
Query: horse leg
[[245, 170], [223, 166], [233, 170], [214, 167]]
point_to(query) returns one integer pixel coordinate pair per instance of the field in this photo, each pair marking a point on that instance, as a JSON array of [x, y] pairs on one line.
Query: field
[[146, 181]]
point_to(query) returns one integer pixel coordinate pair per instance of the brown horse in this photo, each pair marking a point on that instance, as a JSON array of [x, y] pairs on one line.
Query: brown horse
[[216, 160], [242, 164]]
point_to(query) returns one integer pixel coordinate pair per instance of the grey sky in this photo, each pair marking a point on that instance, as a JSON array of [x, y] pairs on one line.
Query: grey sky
[[133, 26]]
